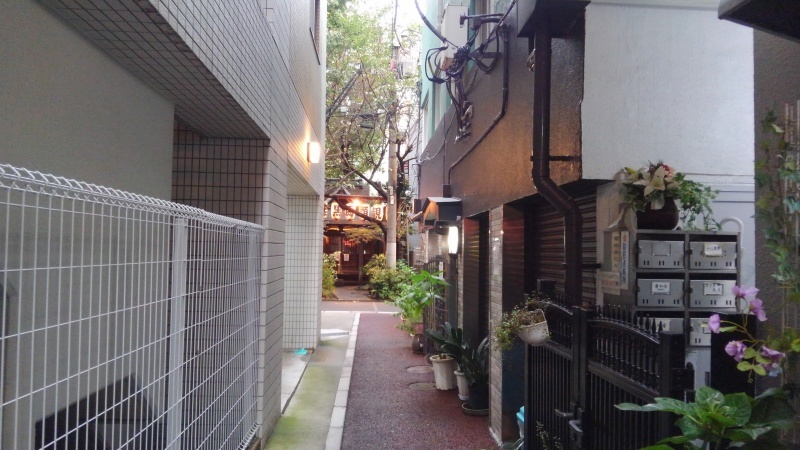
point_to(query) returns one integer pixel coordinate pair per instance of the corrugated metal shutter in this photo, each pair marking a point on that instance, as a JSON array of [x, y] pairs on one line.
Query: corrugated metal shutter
[[545, 249], [472, 275]]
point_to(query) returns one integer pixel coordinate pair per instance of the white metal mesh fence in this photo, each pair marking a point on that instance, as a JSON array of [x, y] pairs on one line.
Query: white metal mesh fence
[[126, 321]]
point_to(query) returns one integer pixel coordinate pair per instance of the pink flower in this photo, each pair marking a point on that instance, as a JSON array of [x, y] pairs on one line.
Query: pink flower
[[713, 323], [742, 292], [736, 349], [757, 307]]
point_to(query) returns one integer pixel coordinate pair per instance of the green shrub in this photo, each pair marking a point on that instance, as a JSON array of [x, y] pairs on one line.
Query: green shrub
[[420, 291], [329, 265], [385, 283]]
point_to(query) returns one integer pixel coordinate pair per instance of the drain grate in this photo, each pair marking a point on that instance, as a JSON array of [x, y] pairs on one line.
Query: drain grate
[[422, 386], [420, 369]]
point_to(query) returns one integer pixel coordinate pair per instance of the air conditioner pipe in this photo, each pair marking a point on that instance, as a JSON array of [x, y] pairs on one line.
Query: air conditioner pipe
[[502, 31], [540, 158]]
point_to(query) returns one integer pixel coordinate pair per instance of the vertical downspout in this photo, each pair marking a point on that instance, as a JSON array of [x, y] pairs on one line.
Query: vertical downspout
[[540, 172]]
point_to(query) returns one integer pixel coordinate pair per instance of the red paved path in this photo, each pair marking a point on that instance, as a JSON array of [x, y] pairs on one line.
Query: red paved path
[[384, 413]]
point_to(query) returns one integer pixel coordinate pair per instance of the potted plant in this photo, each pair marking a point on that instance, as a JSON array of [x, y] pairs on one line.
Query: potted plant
[[475, 364], [452, 343], [444, 368], [651, 193], [423, 289], [526, 322]]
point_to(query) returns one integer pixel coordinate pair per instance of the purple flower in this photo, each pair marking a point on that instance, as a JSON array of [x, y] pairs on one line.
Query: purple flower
[[775, 356], [736, 349], [757, 308], [713, 323], [742, 292]]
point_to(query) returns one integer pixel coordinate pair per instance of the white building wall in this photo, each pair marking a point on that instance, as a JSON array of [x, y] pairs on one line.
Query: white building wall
[[303, 274], [68, 109], [277, 79], [669, 83]]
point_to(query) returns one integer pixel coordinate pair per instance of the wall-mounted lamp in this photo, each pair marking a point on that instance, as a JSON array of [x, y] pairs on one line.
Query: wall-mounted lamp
[[312, 152], [453, 240]]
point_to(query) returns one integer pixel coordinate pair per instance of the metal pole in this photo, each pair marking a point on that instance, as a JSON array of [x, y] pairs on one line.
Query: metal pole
[[391, 215]]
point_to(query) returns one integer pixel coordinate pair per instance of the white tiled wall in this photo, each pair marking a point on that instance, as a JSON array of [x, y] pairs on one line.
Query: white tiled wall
[[245, 179], [496, 310], [303, 273]]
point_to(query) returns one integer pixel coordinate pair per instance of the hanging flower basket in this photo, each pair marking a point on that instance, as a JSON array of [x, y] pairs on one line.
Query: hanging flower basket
[[537, 333]]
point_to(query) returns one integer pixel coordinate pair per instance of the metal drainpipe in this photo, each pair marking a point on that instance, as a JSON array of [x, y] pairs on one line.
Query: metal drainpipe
[[540, 172]]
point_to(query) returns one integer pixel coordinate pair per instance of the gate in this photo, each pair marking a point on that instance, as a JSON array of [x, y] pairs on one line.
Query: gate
[[594, 360], [438, 312]]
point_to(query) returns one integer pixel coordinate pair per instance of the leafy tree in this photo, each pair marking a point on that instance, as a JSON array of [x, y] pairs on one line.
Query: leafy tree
[[367, 95]]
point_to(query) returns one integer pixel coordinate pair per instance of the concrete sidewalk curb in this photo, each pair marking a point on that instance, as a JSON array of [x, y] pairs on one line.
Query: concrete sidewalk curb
[[336, 429]]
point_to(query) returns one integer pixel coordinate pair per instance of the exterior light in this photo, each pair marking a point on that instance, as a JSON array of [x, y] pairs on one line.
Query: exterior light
[[312, 152], [452, 240]]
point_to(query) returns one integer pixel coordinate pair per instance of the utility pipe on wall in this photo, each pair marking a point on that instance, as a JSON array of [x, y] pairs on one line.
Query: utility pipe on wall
[[540, 158]]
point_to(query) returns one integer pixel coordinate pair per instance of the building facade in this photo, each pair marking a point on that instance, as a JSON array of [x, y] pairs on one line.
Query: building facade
[[632, 82]]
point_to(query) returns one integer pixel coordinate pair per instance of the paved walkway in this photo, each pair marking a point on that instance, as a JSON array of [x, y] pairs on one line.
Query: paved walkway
[[387, 409], [378, 409], [352, 294]]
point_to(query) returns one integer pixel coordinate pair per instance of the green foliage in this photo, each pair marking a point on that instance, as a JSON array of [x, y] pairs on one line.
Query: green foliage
[[450, 342], [505, 333], [364, 235], [778, 207], [423, 288], [653, 184], [385, 283], [473, 362], [330, 263], [714, 418], [695, 202], [360, 39]]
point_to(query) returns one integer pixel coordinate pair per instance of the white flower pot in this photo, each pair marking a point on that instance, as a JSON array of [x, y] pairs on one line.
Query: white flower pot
[[535, 334], [463, 385], [443, 369]]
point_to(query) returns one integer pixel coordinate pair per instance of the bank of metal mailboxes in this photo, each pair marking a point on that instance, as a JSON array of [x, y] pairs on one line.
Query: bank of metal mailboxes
[[659, 293], [661, 254], [699, 333], [712, 294], [712, 256]]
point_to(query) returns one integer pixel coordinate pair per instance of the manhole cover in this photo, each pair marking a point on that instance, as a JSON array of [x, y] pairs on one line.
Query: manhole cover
[[423, 386], [420, 369]]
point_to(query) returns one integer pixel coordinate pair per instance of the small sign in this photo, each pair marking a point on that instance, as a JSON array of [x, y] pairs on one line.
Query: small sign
[[616, 252], [609, 282], [660, 287], [662, 248], [346, 257], [712, 249], [712, 288], [625, 246]]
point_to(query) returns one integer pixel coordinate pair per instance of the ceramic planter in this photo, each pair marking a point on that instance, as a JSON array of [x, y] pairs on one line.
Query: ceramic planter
[[443, 372], [535, 334], [463, 385]]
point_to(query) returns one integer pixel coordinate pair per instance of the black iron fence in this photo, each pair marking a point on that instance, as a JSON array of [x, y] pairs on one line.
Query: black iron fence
[[594, 360], [437, 313]]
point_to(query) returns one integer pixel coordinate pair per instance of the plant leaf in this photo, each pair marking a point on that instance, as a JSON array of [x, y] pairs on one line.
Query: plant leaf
[[707, 397], [739, 409]]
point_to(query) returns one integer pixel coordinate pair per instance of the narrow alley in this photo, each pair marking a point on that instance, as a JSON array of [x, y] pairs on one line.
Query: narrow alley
[[364, 388]]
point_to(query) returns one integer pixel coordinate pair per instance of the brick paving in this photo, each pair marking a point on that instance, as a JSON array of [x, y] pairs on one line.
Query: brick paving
[[384, 413]]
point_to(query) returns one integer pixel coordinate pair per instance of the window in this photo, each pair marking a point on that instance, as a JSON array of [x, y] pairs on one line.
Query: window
[[483, 7], [313, 27]]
